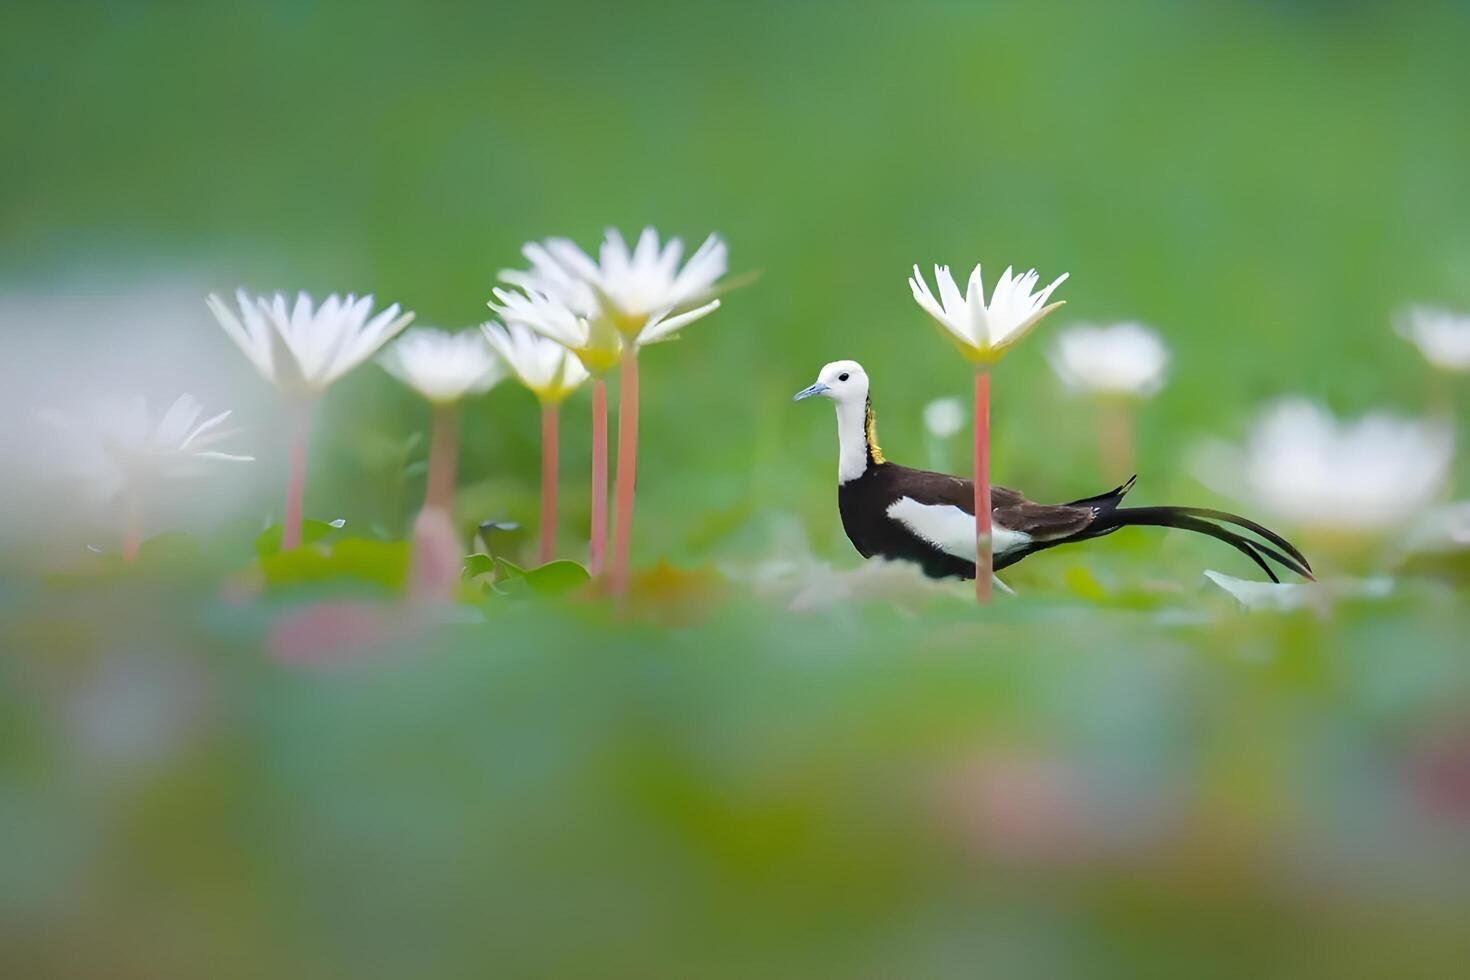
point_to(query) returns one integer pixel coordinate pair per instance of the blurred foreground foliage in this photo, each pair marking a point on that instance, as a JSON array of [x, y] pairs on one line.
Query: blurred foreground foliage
[[709, 785]]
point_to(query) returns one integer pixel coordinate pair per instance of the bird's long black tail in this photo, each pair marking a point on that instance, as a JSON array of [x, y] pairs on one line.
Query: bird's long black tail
[[1204, 521]]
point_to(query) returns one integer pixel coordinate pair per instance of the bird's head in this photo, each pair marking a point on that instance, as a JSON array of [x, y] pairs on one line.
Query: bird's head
[[844, 382]]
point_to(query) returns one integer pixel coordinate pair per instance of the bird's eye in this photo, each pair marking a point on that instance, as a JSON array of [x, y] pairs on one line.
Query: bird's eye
[[842, 377]]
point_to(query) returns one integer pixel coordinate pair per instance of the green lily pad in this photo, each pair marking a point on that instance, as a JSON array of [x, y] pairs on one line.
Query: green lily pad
[[511, 580], [382, 563], [478, 564], [507, 569], [557, 578], [269, 541]]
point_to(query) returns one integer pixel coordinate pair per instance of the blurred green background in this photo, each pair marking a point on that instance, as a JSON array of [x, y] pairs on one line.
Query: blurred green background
[[1140, 784]]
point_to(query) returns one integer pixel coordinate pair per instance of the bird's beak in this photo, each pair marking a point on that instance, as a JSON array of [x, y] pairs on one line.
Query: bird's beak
[[815, 389]]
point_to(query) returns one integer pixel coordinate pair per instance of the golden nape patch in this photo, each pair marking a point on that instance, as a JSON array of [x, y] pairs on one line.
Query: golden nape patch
[[870, 426]]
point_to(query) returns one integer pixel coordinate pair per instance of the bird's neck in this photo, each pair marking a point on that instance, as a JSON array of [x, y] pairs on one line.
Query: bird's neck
[[857, 440]]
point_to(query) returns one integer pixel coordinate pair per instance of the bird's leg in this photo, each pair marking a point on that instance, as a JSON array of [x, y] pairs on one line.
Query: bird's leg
[[597, 550], [627, 468], [443, 458], [299, 425], [984, 560], [549, 454]]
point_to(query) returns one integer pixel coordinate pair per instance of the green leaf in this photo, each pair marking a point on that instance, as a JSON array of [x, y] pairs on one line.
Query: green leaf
[[515, 588], [490, 527], [269, 541], [557, 578], [509, 580], [507, 569], [383, 563], [478, 565]]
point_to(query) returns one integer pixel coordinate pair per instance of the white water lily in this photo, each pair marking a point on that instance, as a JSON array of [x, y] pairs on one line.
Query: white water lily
[[549, 278], [795, 577], [591, 337], [302, 348], [1124, 360], [645, 296], [595, 339], [443, 367], [1442, 336], [1364, 477], [944, 417], [636, 290], [541, 364], [985, 331], [120, 446]]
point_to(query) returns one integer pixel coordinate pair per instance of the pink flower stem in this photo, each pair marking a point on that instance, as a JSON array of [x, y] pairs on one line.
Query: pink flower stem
[[549, 455], [1116, 437], [132, 535], [984, 560], [299, 426], [597, 550], [443, 458], [627, 469]]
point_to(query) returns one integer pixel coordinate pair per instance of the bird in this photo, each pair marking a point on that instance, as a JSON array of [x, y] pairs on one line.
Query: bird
[[896, 512]]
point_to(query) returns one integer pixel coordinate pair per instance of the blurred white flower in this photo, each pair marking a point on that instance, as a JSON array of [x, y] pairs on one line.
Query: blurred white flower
[[304, 348], [793, 575], [591, 337], [1287, 596], [119, 445], [807, 584], [541, 364], [443, 367], [549, 278], [638, 289], [1369, 476], [984, 332], [1443, 337], [944, 417], [1122, 360], [1443, 529], [595, 339]]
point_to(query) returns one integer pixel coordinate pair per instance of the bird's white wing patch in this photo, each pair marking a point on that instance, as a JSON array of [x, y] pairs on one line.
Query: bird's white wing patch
[[950, 529]]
